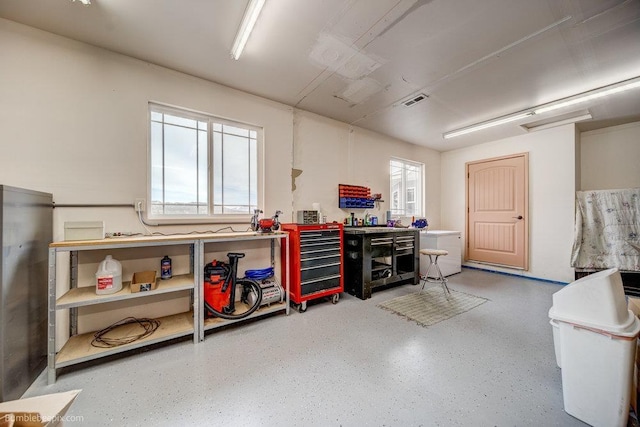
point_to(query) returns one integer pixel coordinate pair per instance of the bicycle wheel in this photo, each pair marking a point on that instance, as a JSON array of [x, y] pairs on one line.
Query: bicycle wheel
[[250, 298]]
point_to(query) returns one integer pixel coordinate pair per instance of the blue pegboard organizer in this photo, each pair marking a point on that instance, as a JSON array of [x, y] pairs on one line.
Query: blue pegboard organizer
[[356, 203]]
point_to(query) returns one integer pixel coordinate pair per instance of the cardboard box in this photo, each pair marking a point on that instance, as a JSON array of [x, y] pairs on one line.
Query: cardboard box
[[634, 306], [48, 410], [83, 230], [144, 281]]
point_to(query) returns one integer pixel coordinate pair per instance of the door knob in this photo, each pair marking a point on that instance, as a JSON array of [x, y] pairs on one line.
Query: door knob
[[517, 217]]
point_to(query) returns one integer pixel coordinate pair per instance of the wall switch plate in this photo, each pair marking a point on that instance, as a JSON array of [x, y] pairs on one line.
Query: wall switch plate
[[139, 205]]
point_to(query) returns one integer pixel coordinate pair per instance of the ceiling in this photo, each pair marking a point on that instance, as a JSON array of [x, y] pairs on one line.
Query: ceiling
[[357, 60]]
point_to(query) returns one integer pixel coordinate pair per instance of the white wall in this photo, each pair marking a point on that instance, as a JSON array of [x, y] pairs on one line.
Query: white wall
[[74, 122], [330, 153], [610, 157], [552, 185]]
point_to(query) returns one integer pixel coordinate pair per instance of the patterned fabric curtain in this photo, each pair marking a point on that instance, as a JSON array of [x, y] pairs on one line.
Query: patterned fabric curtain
[[607, 230]]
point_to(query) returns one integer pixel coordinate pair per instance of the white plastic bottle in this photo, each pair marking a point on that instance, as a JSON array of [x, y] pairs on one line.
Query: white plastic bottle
[[109, 276]]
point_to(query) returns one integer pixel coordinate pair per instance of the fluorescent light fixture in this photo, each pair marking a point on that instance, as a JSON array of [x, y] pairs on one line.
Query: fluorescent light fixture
[[587, 96], [246, 26], [560, 103], [84, 2], [563, 119], [487, 124]]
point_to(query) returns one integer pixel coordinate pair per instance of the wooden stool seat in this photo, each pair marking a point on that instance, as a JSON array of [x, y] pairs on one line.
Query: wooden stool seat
[[433, 255], [439, 252]]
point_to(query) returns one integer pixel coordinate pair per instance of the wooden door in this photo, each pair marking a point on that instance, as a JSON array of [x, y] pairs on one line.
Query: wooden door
[[497, 211]]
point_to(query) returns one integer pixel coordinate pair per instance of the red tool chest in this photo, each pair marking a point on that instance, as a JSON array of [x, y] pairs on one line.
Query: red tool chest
[[315, 262]]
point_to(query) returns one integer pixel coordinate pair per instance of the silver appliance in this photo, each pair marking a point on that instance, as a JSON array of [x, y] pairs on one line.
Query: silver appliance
[[26, 229], [308, 217]]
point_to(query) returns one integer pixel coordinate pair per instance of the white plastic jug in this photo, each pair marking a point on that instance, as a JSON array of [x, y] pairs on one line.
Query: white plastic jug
[[109, 276]]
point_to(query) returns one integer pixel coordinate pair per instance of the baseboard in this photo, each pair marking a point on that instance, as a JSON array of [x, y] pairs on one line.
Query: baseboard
[[538, 279]]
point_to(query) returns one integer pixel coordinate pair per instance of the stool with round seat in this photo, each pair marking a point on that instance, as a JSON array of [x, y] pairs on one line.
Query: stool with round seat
[[433, 255]]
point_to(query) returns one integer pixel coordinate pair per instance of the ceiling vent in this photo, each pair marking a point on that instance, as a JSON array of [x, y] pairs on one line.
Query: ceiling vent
[[413, 101]]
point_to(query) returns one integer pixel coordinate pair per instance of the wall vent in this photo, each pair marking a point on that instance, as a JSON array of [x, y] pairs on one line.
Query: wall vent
[[413, 101]]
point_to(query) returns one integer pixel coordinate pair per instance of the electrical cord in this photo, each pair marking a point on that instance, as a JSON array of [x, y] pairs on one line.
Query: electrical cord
[[157, 233], [148, 325], [142, 222]]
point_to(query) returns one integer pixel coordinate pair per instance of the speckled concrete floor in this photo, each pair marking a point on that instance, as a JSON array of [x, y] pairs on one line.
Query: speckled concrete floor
[[349, 364]]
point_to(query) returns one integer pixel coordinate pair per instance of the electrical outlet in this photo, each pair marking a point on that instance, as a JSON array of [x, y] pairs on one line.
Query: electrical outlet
[[117, 234], [139, 205]]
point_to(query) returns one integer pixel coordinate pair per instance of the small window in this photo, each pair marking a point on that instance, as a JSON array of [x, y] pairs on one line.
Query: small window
[[202, 166], [406, 188]]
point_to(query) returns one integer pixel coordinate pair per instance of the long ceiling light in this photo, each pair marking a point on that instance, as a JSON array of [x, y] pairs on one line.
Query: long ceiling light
[[487, 124], [560, 103], [248, 21], [592, 94]]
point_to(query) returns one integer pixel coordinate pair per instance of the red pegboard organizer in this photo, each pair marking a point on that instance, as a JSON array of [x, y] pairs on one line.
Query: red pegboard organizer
[[354, 191], [354, 196]]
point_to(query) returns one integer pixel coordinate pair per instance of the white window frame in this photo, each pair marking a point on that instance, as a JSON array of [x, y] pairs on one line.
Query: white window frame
[[210, 217], [410, 191], [402, 190]]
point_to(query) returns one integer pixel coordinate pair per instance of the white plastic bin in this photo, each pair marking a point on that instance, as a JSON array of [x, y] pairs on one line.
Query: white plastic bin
[[597, 373], [595, 337], [597, 299], [556, 341]]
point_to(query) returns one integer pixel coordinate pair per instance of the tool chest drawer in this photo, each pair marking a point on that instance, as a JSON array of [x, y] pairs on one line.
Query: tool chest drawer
[[319, 272]]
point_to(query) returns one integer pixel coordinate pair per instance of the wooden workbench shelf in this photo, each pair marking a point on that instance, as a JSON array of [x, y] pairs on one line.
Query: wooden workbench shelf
[[78, 349], [216, 322], [81, 293], [78, 297]]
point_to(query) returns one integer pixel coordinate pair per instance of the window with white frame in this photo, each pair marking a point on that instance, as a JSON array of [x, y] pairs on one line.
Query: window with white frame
[[406, 187], [202, 166]]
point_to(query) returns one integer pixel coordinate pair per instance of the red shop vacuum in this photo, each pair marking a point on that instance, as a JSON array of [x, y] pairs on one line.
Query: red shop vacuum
[[216, 273]]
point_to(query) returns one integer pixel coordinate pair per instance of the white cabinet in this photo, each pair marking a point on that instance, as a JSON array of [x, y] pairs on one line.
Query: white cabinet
[[442, 239]]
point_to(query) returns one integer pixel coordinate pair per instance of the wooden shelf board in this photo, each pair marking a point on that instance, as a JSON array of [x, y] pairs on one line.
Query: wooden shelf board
[[86, 295], [216, 322], [176, 239], [78, 348]]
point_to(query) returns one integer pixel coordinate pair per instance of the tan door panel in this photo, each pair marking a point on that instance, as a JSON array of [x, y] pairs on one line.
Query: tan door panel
[[497, 211]]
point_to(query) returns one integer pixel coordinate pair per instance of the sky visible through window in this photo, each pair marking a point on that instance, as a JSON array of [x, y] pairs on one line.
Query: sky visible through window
[[406, 188], [180, 176]]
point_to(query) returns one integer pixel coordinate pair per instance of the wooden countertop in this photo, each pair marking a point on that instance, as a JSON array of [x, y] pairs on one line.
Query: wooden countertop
[[372, 230], [136, 240]]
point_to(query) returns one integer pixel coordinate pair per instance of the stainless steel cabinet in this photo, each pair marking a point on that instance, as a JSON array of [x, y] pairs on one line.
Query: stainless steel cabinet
[[25, 231]]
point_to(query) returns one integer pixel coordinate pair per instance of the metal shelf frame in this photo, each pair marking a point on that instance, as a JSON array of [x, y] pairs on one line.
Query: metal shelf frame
[[78, 297], [262, 311], [77, 348]]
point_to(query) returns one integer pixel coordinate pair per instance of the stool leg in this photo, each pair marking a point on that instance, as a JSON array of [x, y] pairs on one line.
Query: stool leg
[[442, 279], [425, 279]]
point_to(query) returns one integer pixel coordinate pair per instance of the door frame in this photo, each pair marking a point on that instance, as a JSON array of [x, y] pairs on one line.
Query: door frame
[[525, 155]]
